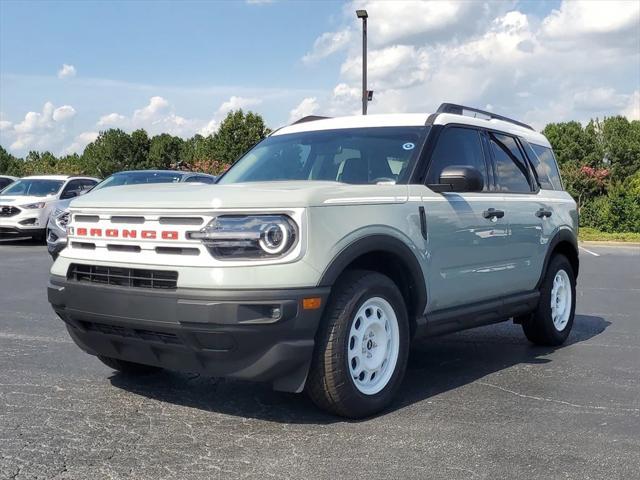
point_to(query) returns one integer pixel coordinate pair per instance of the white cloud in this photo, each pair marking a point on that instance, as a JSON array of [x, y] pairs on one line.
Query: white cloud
[[574, 64], [112, 120], [39, 130], [80, 142], [235, 103], [632, 109], [210, 128], [327, 44], [580, 19], [67, 71], [157, 105], [63, 113], [308, 106]]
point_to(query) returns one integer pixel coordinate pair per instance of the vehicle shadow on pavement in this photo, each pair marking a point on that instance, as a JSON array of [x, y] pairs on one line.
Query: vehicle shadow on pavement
[[435, 366], [20, 242]]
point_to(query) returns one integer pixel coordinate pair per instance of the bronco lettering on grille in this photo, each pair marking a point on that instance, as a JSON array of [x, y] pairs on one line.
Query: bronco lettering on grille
[[127, 233]]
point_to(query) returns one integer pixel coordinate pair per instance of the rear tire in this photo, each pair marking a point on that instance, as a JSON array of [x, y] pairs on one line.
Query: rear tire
[[362, 346], [550, 324], [128, 368]]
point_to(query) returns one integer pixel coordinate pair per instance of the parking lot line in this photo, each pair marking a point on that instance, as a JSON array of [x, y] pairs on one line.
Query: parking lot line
[[589, 251]]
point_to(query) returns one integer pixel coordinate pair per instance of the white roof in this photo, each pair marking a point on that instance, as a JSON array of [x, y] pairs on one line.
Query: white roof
[[412, 119], [57, 177], [46, 177]]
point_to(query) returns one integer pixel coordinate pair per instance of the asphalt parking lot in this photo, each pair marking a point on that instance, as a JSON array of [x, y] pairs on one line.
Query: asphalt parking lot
[[474, 405]]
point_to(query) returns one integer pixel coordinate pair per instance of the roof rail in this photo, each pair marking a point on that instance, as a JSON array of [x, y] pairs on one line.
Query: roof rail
[[309, 118], [460, 110]]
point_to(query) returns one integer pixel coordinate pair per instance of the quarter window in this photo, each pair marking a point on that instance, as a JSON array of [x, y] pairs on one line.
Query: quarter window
[[458, 146], [511, 169], [546, 167]]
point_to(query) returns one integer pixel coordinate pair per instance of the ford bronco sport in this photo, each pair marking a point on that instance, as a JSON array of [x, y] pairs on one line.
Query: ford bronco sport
[[324, 251]]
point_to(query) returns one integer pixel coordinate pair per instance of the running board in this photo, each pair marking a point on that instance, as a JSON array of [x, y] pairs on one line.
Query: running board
[[478, 314]]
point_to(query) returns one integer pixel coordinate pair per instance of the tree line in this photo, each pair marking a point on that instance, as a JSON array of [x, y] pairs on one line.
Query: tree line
[[599, 162]]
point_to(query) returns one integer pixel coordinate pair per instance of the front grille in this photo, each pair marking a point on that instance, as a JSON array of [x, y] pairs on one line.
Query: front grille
[[140, 334], [123, 277], [9, 211]]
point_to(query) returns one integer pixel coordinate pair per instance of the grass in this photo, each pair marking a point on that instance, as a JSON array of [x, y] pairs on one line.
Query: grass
[[593, 235]]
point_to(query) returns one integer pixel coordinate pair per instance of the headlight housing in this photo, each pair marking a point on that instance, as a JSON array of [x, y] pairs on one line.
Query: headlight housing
[[234, 237], [32, 206], [62, 219]]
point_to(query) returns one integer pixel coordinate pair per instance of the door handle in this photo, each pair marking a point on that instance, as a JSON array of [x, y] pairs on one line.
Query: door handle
[[492, 213], [542, 213]]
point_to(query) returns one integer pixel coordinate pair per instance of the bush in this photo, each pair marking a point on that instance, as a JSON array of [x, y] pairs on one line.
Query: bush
[[618, 211]]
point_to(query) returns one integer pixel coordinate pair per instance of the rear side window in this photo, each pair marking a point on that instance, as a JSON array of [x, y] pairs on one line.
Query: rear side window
[[546, 166], [461, 147], [511, 169]]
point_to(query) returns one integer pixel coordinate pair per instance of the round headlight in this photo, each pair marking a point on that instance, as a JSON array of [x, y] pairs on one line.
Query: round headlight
[[274, 238]]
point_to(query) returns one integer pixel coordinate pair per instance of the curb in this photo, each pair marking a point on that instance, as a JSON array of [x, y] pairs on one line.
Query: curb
[[609, 243]]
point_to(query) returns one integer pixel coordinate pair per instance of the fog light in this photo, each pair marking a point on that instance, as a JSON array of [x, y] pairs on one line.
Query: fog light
[[276, 313]]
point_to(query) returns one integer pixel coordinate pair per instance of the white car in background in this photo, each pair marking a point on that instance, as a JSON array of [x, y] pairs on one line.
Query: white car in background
[[25, 205]]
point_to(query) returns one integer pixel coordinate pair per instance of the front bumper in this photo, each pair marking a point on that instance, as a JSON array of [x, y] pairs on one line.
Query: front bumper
[[24, 221], [221, 333]]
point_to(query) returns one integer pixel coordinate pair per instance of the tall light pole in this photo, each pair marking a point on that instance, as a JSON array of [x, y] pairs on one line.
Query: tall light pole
[[365, 93]]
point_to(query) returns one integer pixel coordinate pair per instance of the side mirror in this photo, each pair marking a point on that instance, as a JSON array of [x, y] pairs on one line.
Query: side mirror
[[69, 194], [459, 178]]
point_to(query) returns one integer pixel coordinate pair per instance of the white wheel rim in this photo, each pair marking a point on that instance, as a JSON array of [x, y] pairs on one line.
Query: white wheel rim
[[561, 299], [373, 346]]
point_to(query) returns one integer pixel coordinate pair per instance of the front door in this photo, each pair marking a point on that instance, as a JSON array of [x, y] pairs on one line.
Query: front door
[[466, 231]]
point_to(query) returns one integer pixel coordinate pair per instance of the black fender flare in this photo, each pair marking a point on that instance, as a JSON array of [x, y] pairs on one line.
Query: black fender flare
[[387, 244], [563, 235]]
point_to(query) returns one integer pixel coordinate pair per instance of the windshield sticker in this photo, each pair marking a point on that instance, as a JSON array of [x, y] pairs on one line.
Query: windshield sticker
[[409, 146]]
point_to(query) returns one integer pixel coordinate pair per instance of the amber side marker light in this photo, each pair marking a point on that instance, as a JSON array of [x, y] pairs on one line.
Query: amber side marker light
[[312, 303]]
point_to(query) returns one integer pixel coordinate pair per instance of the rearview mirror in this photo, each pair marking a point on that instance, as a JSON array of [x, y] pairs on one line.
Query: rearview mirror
[[459, 178]]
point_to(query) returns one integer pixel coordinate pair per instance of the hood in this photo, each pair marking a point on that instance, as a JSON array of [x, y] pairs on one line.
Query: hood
[[240, 195], [23, 200]]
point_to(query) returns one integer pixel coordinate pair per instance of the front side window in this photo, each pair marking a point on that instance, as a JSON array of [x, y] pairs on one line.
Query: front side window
[[458, 146], [511, 169], [546, 166], [33, 188], [350, 155]]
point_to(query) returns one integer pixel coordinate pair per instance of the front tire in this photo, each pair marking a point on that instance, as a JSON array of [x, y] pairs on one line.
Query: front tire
[[361, 347], [550, 324], [128, 368]]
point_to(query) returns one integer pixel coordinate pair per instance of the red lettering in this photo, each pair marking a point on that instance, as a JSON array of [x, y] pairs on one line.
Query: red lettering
[[111, 232], [169, 235], [148, 234], [129, 234], [81, 232], [95, 232]]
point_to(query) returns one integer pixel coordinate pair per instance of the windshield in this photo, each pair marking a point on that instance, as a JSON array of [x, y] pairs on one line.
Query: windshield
[[33, 188], [137, 178], [354, 155]]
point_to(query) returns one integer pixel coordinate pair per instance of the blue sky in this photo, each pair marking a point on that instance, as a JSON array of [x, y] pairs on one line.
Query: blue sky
[[180, 66]]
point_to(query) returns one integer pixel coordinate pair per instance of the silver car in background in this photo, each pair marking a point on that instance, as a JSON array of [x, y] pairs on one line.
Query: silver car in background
[[57, 226]]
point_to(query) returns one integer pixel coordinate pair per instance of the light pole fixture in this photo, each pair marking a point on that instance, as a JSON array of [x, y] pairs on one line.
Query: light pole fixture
[[365, 93]]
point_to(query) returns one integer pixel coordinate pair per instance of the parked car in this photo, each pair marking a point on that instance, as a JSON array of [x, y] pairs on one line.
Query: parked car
[[25, 205], [56, 230], [6, 180], [324, 251]]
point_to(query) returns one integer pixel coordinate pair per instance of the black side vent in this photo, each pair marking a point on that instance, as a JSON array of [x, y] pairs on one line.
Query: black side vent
[[123, 277]]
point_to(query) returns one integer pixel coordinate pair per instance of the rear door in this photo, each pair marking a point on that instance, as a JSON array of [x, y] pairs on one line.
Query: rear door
[[465, 245], [523, 206]]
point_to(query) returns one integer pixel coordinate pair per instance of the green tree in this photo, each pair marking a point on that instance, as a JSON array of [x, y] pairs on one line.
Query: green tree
[[165, 151], [238, 132], [10, 165], [111, 152]]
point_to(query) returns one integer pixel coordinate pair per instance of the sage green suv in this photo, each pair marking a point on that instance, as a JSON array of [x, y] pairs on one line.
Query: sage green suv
[[323, 252]]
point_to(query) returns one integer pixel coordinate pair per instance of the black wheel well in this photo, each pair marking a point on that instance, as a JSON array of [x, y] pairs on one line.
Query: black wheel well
[[395, 267], [569, 250]]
